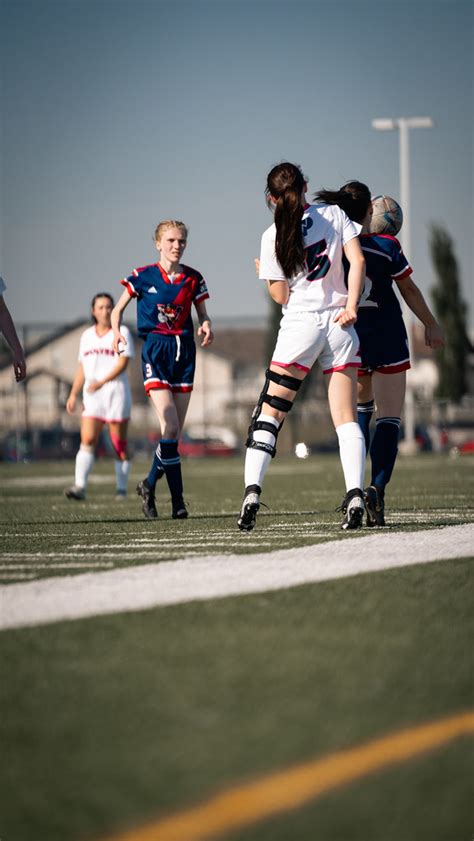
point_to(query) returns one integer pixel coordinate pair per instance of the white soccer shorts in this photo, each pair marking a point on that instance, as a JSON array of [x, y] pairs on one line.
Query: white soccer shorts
[[305, 337], [112, 402]]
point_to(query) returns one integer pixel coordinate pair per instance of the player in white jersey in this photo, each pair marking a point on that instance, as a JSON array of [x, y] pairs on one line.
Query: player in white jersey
[[106, 397], [301, 260]]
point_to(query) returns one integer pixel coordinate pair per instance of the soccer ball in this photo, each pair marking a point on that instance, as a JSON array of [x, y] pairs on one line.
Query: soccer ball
[[387, 217]]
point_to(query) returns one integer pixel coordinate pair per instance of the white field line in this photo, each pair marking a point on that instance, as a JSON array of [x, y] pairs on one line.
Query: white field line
[[217, 576]]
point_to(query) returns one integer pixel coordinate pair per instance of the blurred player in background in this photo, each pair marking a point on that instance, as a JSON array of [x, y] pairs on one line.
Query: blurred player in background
[[106, 397], [8, 330], [301, 261], [165, 292], [383, 339]]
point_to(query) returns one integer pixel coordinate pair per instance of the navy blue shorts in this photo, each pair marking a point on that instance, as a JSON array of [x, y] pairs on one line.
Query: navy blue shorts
[[168, 362], [383, 343]]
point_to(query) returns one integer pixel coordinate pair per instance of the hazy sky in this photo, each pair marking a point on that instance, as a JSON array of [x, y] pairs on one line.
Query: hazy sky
[[118, 113]]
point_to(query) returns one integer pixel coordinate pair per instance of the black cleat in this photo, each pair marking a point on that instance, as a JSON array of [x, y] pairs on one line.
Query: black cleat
[[375, 506], [353, 509], [148, 497], [249, 510], [75, 492], [179, 510]]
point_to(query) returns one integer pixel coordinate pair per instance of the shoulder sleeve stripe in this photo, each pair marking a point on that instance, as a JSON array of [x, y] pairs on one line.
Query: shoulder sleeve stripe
[[406, 272], [202, 296], [129, 287]]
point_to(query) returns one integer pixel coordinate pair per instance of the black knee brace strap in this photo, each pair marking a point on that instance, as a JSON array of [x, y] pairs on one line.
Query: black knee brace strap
[[279, 403]]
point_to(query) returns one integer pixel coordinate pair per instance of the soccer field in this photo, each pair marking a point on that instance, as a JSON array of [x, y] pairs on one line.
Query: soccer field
[[250, 716]]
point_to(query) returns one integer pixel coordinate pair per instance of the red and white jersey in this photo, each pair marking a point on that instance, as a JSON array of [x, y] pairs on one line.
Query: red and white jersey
[[320, 285], [97, 355]]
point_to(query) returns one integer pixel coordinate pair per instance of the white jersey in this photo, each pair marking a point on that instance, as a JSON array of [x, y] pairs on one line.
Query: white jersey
[[320, 285], [113, 401]]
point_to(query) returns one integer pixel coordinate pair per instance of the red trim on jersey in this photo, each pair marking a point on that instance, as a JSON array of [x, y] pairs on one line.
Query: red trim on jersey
[[154, 385], [166, 278], [101, 335], [201, 297], [342, 367], [408, 271], [290, 365], [384, 236], [393, 369], [129, 288]]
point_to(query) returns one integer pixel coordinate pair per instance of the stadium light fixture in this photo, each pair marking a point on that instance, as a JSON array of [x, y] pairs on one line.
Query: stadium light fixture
[[404, 124]]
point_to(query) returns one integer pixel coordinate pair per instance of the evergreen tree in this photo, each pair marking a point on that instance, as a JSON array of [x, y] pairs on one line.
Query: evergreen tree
[[450, 310]]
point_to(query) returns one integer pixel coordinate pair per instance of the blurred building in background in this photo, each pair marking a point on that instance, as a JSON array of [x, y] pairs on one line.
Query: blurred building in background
[[229, 377]]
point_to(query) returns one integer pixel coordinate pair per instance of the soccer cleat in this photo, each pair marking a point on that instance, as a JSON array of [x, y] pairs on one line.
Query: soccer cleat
[[148, 498], [374, 506], [249, 510], [179, 510], [353, 509], [75, 492]]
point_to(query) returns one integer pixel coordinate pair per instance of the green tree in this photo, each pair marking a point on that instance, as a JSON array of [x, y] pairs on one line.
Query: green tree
[[451, 312]]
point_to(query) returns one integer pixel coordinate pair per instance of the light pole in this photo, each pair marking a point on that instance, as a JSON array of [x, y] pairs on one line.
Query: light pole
[[403, 124]]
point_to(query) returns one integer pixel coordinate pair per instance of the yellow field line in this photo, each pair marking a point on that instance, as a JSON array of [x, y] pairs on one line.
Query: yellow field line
[[246, 804]]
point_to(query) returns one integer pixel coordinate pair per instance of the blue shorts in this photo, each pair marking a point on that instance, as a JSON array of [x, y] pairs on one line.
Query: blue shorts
[[383, 343], [168, 362]]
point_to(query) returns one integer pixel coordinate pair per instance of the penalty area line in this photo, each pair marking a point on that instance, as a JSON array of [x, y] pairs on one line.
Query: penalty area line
[[292, 788]]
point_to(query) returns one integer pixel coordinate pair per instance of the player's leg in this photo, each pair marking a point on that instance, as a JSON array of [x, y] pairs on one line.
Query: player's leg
[[275, 401], [171, 410], [342, 389], [389, 391], [90, 431], [365, 405], [118, 437]]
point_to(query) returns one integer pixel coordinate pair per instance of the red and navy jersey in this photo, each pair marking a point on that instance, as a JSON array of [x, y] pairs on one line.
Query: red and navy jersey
[[164, 303], [385, 262]]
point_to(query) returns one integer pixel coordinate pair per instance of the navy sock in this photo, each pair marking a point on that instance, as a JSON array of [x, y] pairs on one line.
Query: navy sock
[[364, 416], [157, 470], [172, 466], [384, 449]]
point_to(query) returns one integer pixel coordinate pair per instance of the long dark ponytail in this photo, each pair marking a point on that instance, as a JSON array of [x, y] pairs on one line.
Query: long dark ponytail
[[353, 198], [286, 184]]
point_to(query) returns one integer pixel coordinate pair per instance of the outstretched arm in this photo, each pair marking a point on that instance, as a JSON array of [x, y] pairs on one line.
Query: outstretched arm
[[355, 282], [8, 329], [205, 327], [76, 388], [116, 318], [413, 297]]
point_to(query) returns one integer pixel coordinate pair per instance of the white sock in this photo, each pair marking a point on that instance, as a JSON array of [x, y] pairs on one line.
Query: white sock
[[122, 469], [257, 461], [84, 460], [352, 454]]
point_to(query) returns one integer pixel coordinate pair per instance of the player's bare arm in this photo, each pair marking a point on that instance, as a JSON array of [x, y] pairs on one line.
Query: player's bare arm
[[76, 388], [205, 324], [413, 297], [115, 320], [115, 372], [279, 291], [355, 282]]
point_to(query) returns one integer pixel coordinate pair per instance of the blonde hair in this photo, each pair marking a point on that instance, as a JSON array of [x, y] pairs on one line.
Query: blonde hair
[[169, 223]]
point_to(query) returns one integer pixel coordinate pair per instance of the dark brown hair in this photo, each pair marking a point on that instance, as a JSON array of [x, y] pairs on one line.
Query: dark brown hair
[[94, 299], [286, 184], [353, 198]]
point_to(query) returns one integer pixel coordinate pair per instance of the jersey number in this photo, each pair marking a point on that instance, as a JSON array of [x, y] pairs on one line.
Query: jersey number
[[317, 261], [148, 371], [365, 299]]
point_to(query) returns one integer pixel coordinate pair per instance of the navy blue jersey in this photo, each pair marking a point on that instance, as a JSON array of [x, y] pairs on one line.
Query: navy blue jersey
[[385, 262], [164, 303]]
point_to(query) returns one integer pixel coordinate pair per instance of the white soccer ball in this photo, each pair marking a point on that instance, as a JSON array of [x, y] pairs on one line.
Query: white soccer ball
[[387, 217]]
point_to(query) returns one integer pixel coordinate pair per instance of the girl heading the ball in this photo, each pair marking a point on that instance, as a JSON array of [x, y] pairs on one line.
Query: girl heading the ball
[[383, 338]]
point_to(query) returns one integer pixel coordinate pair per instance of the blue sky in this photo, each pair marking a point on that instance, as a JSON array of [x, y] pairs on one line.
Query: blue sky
[[117, 114]]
